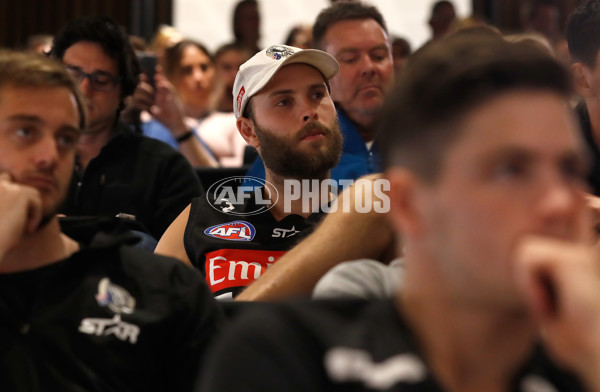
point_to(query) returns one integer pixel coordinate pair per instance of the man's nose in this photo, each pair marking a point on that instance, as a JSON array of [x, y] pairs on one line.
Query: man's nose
[[197, 74], [86, 85], [46, 153], [367, 65], [310, 112], [560, 205]]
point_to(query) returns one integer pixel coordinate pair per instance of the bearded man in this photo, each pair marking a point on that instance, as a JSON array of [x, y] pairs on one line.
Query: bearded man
[[283, 109]]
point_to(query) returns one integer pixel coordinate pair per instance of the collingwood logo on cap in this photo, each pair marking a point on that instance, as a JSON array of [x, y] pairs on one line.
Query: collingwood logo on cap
[[279, 52]]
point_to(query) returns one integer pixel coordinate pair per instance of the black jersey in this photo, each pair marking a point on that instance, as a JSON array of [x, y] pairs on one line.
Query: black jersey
[[340, 345], [233, 250], [109, 318]]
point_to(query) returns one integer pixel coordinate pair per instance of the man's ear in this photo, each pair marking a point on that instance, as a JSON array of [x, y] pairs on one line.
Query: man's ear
[[582, 80], [246, 128], [405, 215]]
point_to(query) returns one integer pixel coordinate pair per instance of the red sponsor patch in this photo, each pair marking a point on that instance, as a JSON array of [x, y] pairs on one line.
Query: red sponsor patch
[[239, 100], [229, 268]]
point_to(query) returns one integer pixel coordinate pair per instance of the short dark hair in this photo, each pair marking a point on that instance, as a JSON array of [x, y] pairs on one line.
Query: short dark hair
[[31, 70], [342, 11], [439, 4], [447, 80], [583, 33], [173, 55], [113, 40]]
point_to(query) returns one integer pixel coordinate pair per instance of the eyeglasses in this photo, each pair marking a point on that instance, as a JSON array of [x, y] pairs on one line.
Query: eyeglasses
[[99, 80]]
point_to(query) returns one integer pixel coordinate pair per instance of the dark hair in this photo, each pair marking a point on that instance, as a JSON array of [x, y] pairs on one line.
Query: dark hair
[[30, 70], [113, 40], [444, 82], [583, 33], [339, 12], [236, 16], [173, 55], [439, 4], [232, 46]]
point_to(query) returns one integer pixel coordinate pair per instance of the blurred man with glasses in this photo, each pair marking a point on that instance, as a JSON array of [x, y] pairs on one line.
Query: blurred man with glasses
[[118, 172]]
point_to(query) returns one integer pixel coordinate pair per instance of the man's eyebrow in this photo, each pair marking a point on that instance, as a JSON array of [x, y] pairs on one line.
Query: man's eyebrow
[[347, 50], [25, 117], [96, 71], [290, 91], [281, 92], [37, 120], [378, 47]]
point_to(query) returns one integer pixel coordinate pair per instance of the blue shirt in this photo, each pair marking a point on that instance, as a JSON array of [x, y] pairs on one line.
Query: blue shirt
[[156, 130]]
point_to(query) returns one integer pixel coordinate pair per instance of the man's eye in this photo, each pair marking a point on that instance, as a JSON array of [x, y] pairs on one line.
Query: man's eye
[[102, 80], [379, 55], [283, 102], [24, 132], [67, 141], [510, 170], [348, 58], [574, 170], [318, 95]]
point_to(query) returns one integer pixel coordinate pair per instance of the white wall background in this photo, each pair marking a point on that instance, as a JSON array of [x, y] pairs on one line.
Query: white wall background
[[209, 21]]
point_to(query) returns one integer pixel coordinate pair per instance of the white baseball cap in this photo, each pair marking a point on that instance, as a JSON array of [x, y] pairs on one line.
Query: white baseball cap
[[255, 73]]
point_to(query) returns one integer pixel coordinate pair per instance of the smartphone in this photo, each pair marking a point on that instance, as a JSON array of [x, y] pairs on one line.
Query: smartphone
[[148, 66]]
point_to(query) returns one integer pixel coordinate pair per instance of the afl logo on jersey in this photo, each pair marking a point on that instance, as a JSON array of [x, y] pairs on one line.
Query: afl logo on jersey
[[232, 231]]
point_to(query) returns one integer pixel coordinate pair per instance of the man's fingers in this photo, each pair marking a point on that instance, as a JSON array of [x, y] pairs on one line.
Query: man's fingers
[[34, 213]]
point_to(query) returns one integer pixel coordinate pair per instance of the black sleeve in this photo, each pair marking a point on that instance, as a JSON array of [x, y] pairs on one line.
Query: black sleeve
[[264, 352], [198, 319], [179, 184]]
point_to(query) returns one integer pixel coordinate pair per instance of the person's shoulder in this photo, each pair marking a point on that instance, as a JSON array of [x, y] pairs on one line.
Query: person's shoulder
[[126, 138], [151, 265]]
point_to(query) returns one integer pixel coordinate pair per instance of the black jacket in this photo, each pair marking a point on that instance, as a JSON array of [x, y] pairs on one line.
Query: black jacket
[[109, 318], [135, 175]]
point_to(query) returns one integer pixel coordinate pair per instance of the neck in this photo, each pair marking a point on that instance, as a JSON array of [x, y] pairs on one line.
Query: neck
[[313, 196], [593, 108], [479, 347], [365, 123], [195, 111], [46, 246], [92, 140]]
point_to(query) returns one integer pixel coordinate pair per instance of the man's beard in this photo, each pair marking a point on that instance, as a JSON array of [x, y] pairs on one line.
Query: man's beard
[[282, 157]]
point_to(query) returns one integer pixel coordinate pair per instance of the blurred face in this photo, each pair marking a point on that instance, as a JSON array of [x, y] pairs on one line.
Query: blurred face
[[102, 106], [227, 66], [296, 123], [442, 19], [39, 129], [194, 77], [516, 169], [366, 67], [248, 23]]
